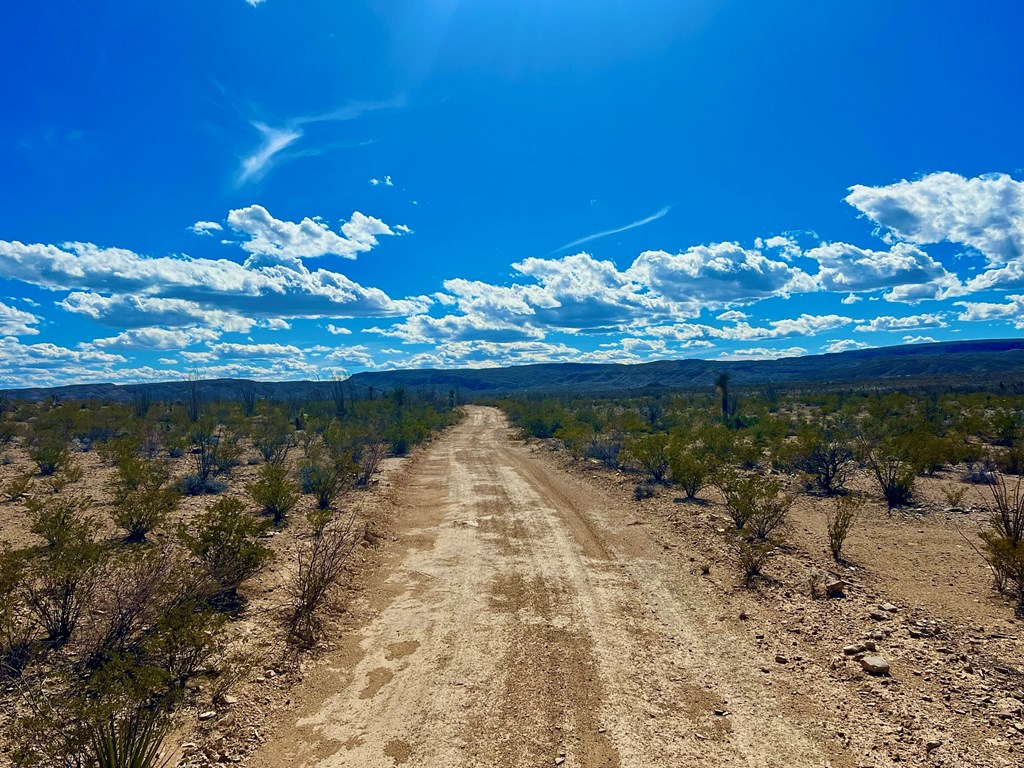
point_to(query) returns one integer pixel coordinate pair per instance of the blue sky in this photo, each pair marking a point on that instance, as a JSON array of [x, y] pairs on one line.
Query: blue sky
[[290, 188]]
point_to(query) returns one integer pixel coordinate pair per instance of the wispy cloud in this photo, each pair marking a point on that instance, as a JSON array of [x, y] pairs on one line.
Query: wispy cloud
[[633, 225], [276, 139]]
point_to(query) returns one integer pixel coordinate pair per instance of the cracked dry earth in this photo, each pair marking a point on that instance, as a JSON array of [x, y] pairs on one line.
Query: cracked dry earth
[[522, 621]]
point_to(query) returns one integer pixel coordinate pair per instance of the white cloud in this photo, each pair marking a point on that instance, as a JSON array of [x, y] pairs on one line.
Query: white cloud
[[984, 212], [633, 225], [976, 311], [851, 298], [254, 3], [275, 324], [205, 227], [338, 330], [386, 181], [762, 353], [909, 323], [909, 273], [225, 350], [845, 345], [274, 140], [156, 338], [804, 325], [17, 322], [919, 340], [733, 315], [167, 361], [717, 275], [164, 288], [287, 241]]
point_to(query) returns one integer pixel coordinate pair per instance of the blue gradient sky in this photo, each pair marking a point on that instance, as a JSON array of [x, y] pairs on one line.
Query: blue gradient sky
[[291, 187]]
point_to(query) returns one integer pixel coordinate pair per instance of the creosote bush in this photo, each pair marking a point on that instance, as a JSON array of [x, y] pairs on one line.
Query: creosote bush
[[226, 543], [143, 495], [689, 470], [895, 478], [275, 491], [325, 477], [840, 522]]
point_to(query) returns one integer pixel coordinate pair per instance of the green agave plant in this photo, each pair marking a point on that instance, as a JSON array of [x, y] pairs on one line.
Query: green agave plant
[[130, 742]]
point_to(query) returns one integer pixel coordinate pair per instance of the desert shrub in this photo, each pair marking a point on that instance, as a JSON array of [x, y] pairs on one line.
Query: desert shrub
[[272, 436], [227, 546], [689, 470], [895, 477], [325, 478], [650, 453], [954, 495], [275, 491], [752, 553], [1003, 542], [606, 447], [321, 562], [50, 453], [60, 585], [131, 741], [227, 453], [370, 457], [143, 497], [59, 520], [839, 524], [754, 503], [825, 457], [18, 486], [137, 589], [575, 436], [644, 490], [979, 471], [1011, 461], [15, 622]]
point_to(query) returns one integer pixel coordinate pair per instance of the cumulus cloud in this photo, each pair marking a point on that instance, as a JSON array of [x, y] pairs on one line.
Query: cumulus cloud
[[909, 273], [386, 182], [984, 212], [287, 241], [919, 340], [804, 325], [226, 350], [17, 322], [156, 338], [338, 330], [909, 323], [762, 353], [111, 279], [845, 345], [205, 227], [980, 311]]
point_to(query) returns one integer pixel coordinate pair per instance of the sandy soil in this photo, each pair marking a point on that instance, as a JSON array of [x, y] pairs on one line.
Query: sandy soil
[[529, 615]]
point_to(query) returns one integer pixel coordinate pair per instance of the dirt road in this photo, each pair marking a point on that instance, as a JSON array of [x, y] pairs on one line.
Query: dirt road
[[526, 621]]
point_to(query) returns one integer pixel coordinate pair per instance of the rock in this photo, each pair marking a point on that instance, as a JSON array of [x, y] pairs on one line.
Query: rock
[[879, 615], [229, 699], [743, 616], [870, 645], [780, 659], [559, 760], [875, 665], [208, 715], [932, 745], [877, 635], [269, 674], [834, 586], [889, 608], [853, 650]]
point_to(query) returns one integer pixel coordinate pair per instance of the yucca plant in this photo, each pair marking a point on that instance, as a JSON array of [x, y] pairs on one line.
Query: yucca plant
[[132, 741]]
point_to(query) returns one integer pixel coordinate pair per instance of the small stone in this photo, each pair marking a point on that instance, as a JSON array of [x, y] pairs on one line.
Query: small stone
[[877, 635], [780, 659], [208, 715], [229, 699], [932, 745], [721, 712], [875, 665], [834, 587], [559, 760], [270, 674], [870, 645], [853, 650], [879, 615], [889, 608]]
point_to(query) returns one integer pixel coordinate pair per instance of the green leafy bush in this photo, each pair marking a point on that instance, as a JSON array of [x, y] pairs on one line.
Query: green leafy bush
[[275, 491], [143, 496], [227, 545]]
